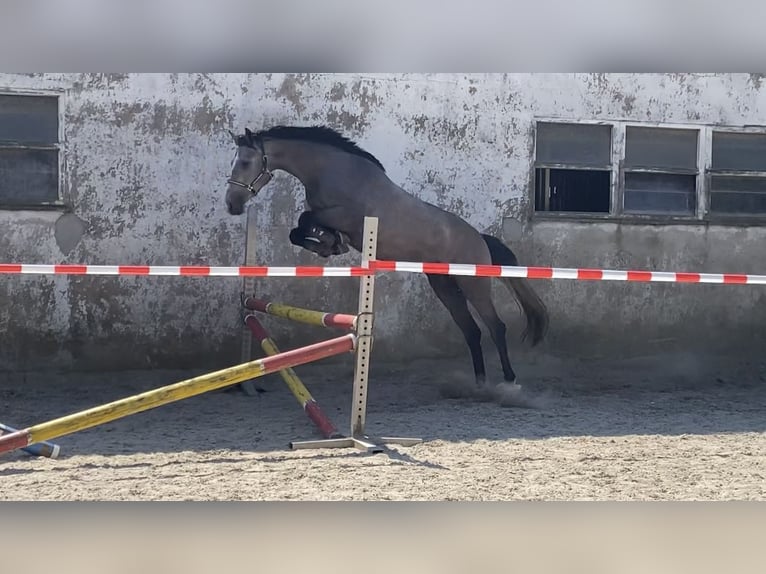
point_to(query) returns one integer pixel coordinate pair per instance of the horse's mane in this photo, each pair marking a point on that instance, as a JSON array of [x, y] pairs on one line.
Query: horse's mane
[[318, 134]]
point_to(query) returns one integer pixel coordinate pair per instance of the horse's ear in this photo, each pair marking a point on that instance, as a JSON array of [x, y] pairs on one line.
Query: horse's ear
[[249, 134]]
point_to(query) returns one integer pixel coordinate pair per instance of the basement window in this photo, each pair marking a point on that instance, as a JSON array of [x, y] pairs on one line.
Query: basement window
[[573, 167], [738, 174], [29, 150], [660, 171]]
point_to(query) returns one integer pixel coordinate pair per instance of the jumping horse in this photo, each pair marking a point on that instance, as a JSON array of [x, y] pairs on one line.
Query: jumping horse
[[344, 183]]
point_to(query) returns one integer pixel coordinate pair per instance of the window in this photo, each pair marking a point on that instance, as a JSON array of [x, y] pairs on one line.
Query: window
[[29, 150], [738, 174], [633, 170], [660, 171], [573, 167]]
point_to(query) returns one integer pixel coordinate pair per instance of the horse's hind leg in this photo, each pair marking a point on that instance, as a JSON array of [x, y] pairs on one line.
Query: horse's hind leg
[[478, 291], [446, 289]]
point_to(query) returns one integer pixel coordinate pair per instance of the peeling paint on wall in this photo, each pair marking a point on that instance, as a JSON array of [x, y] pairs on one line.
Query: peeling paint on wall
[[147, 156]]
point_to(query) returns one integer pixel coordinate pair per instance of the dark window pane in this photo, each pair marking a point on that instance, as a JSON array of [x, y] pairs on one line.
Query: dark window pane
[[660, 148], [738, 203], [738, 183], [28, 177], [739, 151], [574, 144], [29, 119], [660, 193], [584, 191], [738, 195]]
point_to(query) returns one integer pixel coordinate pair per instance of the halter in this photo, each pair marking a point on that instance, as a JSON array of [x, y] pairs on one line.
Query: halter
[[264, 173]]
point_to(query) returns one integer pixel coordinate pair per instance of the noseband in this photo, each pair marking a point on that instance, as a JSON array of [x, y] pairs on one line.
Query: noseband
[[264, 173]]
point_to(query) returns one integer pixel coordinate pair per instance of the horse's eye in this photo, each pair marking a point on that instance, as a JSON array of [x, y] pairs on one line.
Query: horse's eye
[[244, 164]]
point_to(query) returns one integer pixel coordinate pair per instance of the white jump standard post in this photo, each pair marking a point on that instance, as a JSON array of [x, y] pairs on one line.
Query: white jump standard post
[[364, 326], [248, 284]]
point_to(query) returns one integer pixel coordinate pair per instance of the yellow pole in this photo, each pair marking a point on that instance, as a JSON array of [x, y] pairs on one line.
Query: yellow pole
[[307, 316], [300, 315], [175, 392], [145, 401], [290, 377]]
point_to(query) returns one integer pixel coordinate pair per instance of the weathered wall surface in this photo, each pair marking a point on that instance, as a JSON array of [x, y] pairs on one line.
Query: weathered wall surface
[[146, 160]]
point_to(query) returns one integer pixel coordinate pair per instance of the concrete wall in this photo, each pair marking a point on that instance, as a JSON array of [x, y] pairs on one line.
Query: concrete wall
[[146, 157]]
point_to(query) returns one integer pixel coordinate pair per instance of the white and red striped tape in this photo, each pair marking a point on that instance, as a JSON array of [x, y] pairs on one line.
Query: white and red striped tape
[[183, 270], [388, 266], [568, 273]]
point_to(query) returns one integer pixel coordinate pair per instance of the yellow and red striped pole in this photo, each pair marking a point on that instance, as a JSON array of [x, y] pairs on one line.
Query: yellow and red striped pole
[[47, 449], [298, 389], [308, 316], [175, 392]]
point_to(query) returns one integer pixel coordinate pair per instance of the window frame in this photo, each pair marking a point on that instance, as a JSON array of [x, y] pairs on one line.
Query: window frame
[[623, 170], [61, 201], [745, 218], [548, 165], [617, 213]]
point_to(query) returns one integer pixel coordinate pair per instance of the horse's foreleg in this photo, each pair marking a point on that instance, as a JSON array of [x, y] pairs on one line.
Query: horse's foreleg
[[317, 238], [346, 226]]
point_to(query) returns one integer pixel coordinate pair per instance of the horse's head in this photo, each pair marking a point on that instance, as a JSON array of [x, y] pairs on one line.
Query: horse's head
[[249, 173]]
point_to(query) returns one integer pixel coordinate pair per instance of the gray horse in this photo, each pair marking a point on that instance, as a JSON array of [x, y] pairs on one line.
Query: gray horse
[[343, 184]]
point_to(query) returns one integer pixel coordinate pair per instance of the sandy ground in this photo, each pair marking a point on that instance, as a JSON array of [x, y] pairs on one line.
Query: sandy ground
[[665, 428]]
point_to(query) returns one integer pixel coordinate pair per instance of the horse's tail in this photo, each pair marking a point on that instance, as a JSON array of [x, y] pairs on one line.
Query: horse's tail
[[533, 307]]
